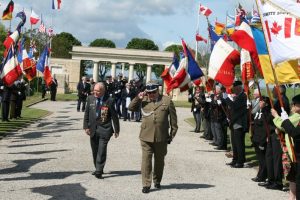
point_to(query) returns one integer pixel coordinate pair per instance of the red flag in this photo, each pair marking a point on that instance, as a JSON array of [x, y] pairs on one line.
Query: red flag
[[200, 38], [204, 11], [11, 39]]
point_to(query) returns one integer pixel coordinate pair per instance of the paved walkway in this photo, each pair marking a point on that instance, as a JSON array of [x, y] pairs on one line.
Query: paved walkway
[[52, 159]]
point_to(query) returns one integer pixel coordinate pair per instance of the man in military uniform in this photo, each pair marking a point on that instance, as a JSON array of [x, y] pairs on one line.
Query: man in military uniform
[[100, 122], [158, 115]]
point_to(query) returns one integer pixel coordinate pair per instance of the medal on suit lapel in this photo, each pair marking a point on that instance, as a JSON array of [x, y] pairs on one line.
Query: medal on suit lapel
[[104, 113]]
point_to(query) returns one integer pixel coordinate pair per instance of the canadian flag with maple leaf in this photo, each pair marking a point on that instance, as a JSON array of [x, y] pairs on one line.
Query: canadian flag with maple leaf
[[281, 22]]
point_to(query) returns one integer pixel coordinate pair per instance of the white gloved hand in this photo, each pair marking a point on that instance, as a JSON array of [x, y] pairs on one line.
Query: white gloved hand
[[248, 102], [261, 148], [219, 102], [19, 93], [230, 97], [208, 100], [284, 114]]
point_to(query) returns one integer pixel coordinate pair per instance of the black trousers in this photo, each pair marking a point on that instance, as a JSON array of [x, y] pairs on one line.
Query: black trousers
[[118, 106], [99, 149], [238, 146], [197, 118], [79, 102], [261, 157], [274, 160], [298, 180], [53, 95], [5, 110]]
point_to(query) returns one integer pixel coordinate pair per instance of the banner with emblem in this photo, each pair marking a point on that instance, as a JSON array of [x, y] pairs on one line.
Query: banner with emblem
[[281, 22]]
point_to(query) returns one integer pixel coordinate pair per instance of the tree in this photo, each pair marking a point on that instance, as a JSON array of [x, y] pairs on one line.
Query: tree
[[104, 66], [102, 42], [3, 35], [175, 48], [145, 44], [62, 44], [142, 43]]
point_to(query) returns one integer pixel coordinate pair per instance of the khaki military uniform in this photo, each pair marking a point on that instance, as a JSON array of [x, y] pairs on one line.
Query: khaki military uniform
[[159, 125]]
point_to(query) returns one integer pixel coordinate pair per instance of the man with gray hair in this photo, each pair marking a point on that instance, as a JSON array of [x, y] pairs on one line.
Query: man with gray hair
[[100, 122]]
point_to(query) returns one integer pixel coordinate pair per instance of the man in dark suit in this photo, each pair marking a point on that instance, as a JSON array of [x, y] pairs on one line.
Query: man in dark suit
[[100, 123], [239, 123], [126, 96], [6, 102], [53, 89], [84, 90]]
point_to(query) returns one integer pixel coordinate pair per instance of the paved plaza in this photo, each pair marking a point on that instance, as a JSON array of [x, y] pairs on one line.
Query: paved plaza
[[51, 159]]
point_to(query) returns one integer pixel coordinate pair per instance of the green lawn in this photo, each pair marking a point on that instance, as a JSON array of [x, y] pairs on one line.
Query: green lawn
[[250, 153]]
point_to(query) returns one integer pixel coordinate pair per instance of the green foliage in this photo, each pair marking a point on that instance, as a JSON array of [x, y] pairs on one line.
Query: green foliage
[[175, 48], [158, 70], [3, 35], [40, 40], [84, 66], [141, 43], [62, 44], [145, 44], [102, 43]]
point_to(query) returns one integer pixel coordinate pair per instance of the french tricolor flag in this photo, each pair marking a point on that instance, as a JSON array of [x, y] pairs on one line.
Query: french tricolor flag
[[56, 4], [11, 69]]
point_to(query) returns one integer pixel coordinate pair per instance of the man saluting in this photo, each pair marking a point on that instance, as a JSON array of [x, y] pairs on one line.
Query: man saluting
[[159, 115], [100, 122]]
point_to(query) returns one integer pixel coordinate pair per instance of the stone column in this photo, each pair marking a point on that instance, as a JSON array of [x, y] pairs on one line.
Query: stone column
[[149, 72], [131, 72], [96, 71], [113, 70], [123, 68]]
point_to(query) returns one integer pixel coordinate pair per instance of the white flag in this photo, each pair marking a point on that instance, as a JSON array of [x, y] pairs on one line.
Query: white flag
[[282, 28]]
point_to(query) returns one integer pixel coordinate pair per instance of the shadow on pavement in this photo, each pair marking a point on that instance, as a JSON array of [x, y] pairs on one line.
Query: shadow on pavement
[[121, 173], [41, 152], [27, 145], [45, 176], [65, 191], [186, 186], [23, 165]]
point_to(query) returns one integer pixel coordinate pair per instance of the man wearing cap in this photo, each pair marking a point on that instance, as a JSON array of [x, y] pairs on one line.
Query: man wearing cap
[[239, 123], [159, 115]]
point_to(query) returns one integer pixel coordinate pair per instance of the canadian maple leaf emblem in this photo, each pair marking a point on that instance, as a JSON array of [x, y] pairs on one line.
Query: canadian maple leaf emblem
[[276, 28]]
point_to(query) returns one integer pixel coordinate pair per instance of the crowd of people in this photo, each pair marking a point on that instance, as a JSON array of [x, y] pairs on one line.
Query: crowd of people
[[217, 112], [122, 91], [11, 99]]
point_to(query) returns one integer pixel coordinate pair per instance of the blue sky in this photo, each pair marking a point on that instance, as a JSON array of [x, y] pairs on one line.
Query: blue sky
[[163, 21]]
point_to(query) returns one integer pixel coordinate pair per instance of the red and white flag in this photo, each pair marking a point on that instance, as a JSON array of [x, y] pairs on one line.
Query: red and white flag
[[200, 38], [204, 10], [222, 62], [11, 39], [50, 32], [282, 28], [244, 38], [34, 18], [11, 69], [247, 72]]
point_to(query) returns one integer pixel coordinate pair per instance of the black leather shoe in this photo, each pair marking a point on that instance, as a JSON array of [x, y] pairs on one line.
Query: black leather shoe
[[146, 190], [99, 176], [94, 173], [257, 179], [231, 163], [157, 185], [212, 143], [202, 136], [265, 184], [237, 166], [275, 186]]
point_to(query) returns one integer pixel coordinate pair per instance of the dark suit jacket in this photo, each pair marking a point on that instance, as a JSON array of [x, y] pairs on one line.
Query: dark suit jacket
[[83, 92], [239, 112], [295, 133], [107, 127]]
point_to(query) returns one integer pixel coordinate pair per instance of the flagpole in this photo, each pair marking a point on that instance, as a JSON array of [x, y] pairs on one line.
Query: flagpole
[[198, 22], [275, 78]]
